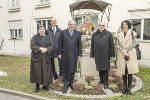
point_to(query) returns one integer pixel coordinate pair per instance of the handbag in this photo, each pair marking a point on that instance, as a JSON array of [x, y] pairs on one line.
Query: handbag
[[138, 52]]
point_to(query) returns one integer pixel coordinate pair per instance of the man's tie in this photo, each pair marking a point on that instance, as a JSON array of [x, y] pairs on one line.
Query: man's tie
[[71, 33], [54, 31]]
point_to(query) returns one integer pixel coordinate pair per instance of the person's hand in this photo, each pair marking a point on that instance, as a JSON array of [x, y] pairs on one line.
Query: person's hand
[[79, 58], [43, 50], [124, 52], [59, 56], [92, 57], [40, 48], [112, 58]]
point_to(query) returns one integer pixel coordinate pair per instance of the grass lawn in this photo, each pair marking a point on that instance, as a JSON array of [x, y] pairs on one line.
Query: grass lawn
[[18, 79]]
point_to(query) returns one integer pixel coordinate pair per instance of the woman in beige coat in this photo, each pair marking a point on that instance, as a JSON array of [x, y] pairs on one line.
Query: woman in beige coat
[[127, 60]]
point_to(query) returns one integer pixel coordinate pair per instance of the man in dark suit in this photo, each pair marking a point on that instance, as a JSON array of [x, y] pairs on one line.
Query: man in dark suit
[[70, 50], [54, 32]]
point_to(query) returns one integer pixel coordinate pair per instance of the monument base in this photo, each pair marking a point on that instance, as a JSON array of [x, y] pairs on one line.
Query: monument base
[[88, 66]]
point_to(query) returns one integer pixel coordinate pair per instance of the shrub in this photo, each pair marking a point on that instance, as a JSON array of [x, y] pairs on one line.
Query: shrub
[[78, 87], [98, 87], [89, 79]]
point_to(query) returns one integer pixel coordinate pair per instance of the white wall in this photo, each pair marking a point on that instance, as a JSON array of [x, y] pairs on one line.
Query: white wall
[[21, 46], [60, 10], [120, 10]]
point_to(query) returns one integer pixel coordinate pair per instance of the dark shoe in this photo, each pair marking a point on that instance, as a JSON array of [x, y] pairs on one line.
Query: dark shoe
[[56, 77], [36, 88], [100, 82], [45, 88], [129, 91], [71, 86], [105, 86], [65, 89], [124, 91]]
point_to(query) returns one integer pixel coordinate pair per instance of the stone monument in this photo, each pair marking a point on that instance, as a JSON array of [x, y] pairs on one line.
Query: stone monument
[[88, 67]]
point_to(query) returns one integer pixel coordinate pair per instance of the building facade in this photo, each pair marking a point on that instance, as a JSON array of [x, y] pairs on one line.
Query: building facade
[[20, 19]]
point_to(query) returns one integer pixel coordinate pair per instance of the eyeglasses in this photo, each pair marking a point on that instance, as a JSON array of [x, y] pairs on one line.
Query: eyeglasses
[[101, 25]]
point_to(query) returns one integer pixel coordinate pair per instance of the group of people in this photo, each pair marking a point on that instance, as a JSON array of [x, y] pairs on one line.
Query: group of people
[[65, 45]]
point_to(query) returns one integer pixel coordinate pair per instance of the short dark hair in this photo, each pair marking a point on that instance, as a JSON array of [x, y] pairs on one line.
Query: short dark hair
[[41, 26], [127, 22]]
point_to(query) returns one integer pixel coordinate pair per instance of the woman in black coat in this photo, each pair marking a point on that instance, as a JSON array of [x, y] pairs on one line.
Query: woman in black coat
[[41, 70]]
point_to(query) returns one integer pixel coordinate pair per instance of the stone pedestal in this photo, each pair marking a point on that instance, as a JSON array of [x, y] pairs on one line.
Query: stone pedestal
[[88, 67]]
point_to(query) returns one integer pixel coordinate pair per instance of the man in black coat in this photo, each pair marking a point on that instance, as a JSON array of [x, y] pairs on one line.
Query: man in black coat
[[54, 32], [102, 49], [70, 50]]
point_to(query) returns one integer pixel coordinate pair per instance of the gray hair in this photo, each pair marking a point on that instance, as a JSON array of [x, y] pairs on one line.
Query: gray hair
[[53, 18], [102, 23], [71, 21]]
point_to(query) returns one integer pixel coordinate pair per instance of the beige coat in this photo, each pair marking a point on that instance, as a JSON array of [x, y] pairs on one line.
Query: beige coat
[[132, 64]]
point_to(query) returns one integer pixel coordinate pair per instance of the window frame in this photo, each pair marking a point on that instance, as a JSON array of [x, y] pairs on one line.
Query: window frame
[[39, 3], [41, 21], [16, 6], [142, 30], [16, 35]]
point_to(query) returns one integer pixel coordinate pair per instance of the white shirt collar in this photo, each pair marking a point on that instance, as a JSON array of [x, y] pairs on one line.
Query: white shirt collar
[[70, 31], [42, 35], [54, 28]]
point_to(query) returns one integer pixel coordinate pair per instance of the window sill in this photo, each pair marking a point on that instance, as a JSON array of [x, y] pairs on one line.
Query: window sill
[[45, 5], [15, 39], [14, 9]]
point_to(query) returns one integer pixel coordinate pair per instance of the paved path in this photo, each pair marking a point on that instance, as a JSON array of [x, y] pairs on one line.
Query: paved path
[[4, 96]]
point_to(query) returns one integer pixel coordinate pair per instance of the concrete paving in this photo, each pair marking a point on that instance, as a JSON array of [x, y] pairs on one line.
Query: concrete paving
[[5, 96]]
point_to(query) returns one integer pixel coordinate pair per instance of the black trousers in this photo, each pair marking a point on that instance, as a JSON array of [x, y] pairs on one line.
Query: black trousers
[[68, 79], [104, 76]]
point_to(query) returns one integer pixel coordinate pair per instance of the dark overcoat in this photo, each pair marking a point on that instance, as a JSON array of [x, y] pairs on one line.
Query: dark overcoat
[[55, 38], [102, 48], [70, 48], [40, 69]]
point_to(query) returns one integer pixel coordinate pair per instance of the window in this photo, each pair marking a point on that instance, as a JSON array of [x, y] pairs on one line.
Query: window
[[15, 28], [146, 34], [80, 20], [14, 4], [45, 23], [137, 27], [142, 27], [16, 33], [43, 2]]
